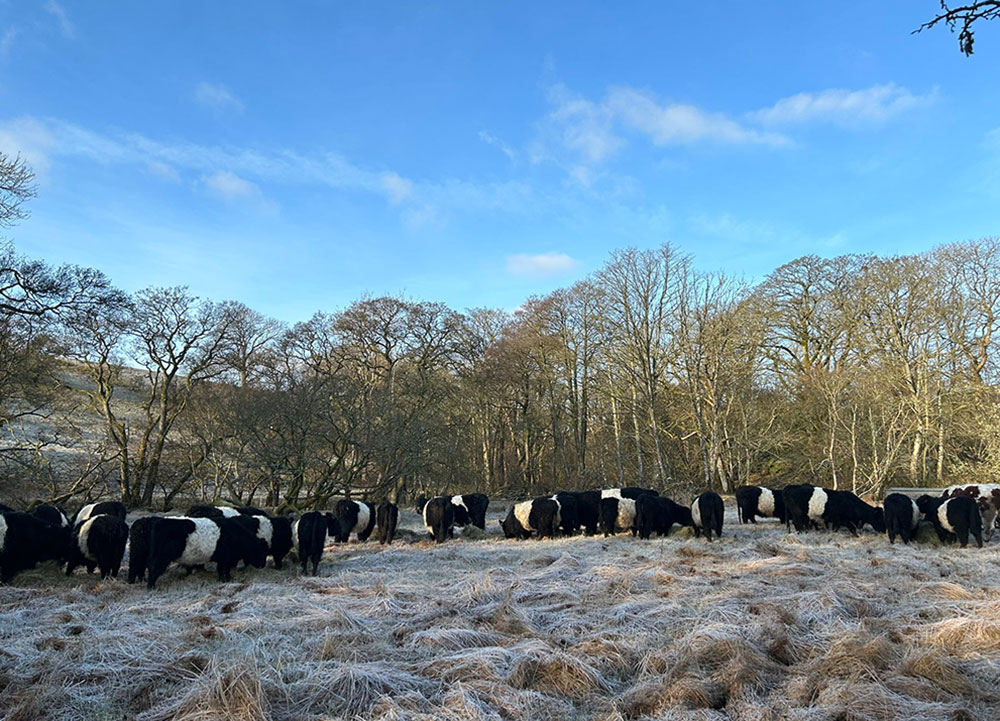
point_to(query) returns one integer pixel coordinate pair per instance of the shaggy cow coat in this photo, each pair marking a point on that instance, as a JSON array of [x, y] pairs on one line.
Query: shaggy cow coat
[[108, 508], [197, 541], [439, 517], [26, 540], [953, 518], [202, 511], [656, 514], [540, 516], [52, 515], [281, 539], [470, 509], [707, 513], [753, 501], [902, 516], [354, 517], [616, 513], [386, 518], [139, 535], [588, 510], [98, 541], [569, 517]]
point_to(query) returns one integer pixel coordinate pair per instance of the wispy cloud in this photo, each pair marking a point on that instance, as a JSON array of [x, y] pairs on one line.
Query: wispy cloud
[[845, 107], [541, 264], [491, 139], [681, 124], [7, 40], [230, 186], [396, 187], [217, 97], [62, 19]]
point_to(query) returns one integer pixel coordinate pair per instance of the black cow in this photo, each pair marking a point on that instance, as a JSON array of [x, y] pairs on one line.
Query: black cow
[[107, 508], [798, 512], [569, 515], [99, 541], [902, 515], [587, 509], [310, 535], [470, 508], [354, 517], [656, 514], [753, 501], [139, 535], [843, 508], [386, 516], [202, 511], [707, 512], [252, 511], [953, 517], [617, 513], [439, 517], [281, 541], [197, 541], [4, 508], [540, 515], [53, 515], [26, 540]]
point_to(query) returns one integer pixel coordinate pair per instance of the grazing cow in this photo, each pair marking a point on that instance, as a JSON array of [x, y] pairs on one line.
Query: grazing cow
[[354, 517], [197, 541], [987, 497], [587, 510], [252, 511], [707, 512], [801, 509], [109, 508], [656, 514], [540, 515], [53, 515], [281, 532], [439, 517], [470, 508], [569, 516], [386, 517], [630, 492], [310, 533], [902, 516], [953, 517], [753, 501], [211, 512], [98, 541], [262, 531], [616, 513], [26, 540], [843, 508], [139, 535]]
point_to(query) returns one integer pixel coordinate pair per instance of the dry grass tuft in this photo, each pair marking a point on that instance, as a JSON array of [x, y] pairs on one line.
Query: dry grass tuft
[[965, 637], [222, 692]]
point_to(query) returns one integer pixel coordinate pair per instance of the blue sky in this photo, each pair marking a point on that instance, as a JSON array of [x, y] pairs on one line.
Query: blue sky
[[298, 155]]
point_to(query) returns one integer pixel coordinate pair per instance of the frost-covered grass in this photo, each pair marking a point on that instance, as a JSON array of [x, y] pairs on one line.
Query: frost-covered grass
[[760, 625]]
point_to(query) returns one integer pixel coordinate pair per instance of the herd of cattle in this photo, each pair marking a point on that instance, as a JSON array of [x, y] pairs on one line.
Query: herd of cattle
[[96, 537]]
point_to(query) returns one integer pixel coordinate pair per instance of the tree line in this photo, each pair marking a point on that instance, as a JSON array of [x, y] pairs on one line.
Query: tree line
[[856, 372]]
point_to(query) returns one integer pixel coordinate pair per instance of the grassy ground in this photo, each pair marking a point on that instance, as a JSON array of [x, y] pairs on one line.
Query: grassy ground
[[760, 625]]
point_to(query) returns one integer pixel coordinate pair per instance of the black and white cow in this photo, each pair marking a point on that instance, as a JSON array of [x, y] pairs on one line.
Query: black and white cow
[[252, 511], [631, 492], [902, 516], [196, 541], [707, 512], [261, 529], [656, 514], [616, 513], [470, 508], [354, 517], [540, 515], [202, 511], [139, 537], [26, 540], [843, 508], [310, 533], [986, 496], [109, 508], [439, 517], [98, 541], [386, 518], [802, 510], [753, 501], [281, 532], [569, 517], [53, 515], [953, 517]]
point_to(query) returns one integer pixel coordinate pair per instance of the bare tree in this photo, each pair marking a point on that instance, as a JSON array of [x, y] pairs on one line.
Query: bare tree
[[964, 16], [17, 184]]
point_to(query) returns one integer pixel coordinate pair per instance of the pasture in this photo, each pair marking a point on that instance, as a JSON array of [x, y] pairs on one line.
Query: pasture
[[759, 625]]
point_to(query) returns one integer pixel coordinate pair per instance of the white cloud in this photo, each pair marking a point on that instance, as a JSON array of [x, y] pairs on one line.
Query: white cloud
[[679, 124], [846, 107], [30, 139], [217, 97], [7, 40], [396, 187], [230, 186], [163, 171], [540, 264], [583, 127], [493, 140], [62, 19]]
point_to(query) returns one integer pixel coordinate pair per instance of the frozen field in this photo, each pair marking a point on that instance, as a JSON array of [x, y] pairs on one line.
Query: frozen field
[[760, 625]]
